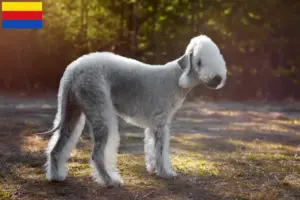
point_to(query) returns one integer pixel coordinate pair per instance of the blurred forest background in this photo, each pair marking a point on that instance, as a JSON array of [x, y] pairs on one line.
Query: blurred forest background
[[258, 38]]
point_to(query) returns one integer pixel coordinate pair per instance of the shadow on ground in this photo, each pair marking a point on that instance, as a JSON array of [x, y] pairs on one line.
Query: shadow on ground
[[221, 151]]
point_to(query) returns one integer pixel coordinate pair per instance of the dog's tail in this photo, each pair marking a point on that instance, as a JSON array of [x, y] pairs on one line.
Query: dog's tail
[[61, 108]]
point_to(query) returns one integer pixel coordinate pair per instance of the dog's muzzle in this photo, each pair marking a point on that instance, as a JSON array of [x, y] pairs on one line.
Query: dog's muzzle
[[214, 82]]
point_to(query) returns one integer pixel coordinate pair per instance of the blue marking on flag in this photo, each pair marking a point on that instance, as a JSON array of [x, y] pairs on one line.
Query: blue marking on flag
[[22, 24]]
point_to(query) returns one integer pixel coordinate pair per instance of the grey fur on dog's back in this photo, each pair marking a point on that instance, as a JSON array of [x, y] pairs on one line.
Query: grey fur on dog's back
[[137, 90], [99, 86]]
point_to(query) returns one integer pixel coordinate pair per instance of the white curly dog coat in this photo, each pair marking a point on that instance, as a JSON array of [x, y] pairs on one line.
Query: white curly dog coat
[[98, 87]]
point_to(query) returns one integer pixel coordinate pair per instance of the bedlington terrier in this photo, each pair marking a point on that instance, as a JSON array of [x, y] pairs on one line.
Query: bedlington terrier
[[98, 87]]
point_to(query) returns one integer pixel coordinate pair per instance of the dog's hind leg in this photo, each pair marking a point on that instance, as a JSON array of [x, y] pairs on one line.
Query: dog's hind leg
[[149, 149], [102, 121], [63, 141]]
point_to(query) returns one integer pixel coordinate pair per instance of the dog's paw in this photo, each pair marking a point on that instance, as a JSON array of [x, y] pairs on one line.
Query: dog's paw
[[167, 175], [174, 174], [114, 184], [55, 177], [54, 174], [150, 169], [116, 180], [110, 183]]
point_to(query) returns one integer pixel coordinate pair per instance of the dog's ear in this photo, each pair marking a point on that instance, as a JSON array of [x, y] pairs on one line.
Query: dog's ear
[[187, 79]]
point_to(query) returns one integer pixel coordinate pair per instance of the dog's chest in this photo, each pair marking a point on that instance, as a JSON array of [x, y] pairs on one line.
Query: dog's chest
[[177, 103]]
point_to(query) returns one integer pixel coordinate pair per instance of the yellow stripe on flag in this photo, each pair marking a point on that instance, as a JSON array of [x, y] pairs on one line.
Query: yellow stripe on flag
[[22, 6]]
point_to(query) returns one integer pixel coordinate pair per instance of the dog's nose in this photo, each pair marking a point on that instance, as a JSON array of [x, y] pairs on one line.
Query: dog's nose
[[215, 81]]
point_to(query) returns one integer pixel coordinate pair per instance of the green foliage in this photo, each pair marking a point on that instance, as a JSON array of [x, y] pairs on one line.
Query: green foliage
[[258, 38]]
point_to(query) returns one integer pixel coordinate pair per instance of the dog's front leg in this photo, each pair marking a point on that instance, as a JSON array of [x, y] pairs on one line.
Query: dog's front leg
[[162, 155]]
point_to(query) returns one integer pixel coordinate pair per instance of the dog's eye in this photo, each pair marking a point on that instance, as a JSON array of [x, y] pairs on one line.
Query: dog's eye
[[199, 63]]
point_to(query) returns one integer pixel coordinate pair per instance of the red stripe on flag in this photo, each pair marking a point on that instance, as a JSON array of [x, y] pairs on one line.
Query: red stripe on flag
[[22, 15]]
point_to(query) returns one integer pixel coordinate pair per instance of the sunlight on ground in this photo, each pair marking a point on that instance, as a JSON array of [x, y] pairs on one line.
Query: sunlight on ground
[[231, 155], [260, 145], [295, 122], [262, 126], [233, 174], [223, 113], [32, 144], [189, 164], [183, 119]]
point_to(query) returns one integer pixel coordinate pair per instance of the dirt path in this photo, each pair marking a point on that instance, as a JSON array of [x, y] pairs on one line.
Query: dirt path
[[222, 150]]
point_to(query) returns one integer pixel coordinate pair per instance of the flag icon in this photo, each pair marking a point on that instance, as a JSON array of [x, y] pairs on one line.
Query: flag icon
[[22, 15]]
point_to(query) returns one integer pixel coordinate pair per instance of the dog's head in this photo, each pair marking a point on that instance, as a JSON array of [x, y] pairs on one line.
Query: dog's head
[[202, 63]]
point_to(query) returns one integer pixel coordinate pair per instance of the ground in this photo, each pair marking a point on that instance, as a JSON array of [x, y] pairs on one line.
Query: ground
[[221, 150]]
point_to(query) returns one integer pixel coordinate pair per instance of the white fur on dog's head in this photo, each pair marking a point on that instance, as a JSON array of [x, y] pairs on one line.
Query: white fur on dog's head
[[204, 58]]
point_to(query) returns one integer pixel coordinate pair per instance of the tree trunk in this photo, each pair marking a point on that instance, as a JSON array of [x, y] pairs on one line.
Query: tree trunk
[[194, 15], [134, 31]]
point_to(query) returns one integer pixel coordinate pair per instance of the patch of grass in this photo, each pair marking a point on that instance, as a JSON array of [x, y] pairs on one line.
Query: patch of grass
[[240, 197], [266, 193], [78, 169], [5, 195], [290, 180], [133, 170], [188, 143], [188, 164], [132, 138], [30, 143], [263, 146]]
